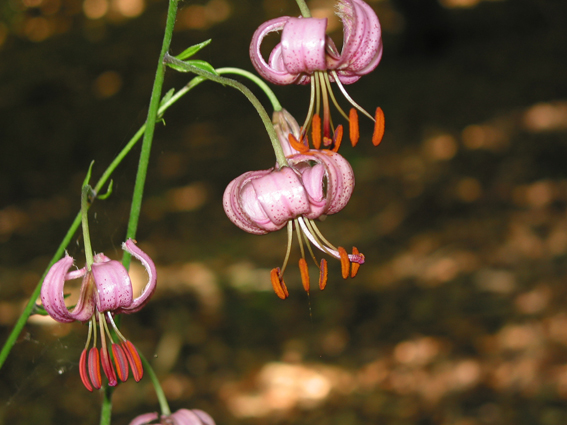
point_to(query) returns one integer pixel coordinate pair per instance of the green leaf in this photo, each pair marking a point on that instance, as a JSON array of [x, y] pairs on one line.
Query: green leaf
[[190, 51], [88, 176], [166, 98], [205, 66]]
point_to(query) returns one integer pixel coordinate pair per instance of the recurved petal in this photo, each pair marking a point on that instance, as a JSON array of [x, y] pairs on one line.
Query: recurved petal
[[53, 299], [135, 305], [362, 45], [187, 417], [282, 197], [113, 285], [144, 419], [303, 45], [275, 72], [338, 184], [234, 206], [206, 419]]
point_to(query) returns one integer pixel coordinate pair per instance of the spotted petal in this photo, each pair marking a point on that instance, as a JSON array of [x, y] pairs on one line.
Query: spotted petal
[[149, 289], [362, 44], [52, 293]]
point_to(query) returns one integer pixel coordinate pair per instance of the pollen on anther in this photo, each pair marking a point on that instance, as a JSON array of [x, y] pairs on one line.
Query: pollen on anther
[[278, 284], [94, 368], [379, 127], [295, 144], [134, 360], [345, 262], [303, 269], [107, 367], [337, 138], [355, 266], [121, 362], [83, 372], [323, 274], [316, 131], [354, 133]]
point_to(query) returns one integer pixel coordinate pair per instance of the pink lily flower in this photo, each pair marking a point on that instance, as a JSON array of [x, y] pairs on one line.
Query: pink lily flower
[[307, 55], [106, 290], [181, 417], [314, 185]]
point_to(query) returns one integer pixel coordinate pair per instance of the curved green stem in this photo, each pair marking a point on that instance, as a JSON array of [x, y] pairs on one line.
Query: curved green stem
[[257, 80], [162, 399], [187, 67], [305, 12]]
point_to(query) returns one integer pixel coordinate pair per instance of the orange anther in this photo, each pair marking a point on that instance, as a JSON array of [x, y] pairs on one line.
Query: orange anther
[[120, 361], [298, 146], [378, 127], [355, 266], [94, 368], [316, 131], [304, 274], [323, 274], [353, 127], [278, 284], [83, 371], [345, 262], [107, 367], [338, 137], [134, 360]]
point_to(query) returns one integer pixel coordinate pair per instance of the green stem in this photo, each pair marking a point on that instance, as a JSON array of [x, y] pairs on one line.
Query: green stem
[[106, 408], [162, 399], [187, 67], [257, 80], [305, 12], [149, 133], [86, 192]]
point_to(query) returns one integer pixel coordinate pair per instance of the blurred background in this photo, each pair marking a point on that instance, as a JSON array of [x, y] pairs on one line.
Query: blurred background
[[459, 315]]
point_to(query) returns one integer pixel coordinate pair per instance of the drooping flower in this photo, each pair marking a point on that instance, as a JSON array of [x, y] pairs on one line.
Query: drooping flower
[[307, 55], [313, 185], [106, 290], [181, 417]]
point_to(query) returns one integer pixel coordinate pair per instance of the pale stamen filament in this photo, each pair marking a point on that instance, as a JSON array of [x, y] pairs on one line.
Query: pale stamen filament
[[111, 320], [289, 241], [102, 329], [90, 333], [300, 237], [350, 99], [313, 238], [314, 92], [333, 98], [316, 230], [327, 121], [317, 93], [93, 321], [311, 251]]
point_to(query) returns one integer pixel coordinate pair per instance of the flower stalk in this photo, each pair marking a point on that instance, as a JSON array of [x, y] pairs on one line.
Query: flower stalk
[[187, 67]]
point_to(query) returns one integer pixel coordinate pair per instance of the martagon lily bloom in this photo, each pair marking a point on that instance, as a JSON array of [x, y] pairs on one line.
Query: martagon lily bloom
[[316, 183], [106, 290], [181, 417], [306, 55]]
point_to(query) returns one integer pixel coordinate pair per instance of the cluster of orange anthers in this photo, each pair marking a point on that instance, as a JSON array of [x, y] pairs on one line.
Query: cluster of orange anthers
[[348, 267], [335, 142]]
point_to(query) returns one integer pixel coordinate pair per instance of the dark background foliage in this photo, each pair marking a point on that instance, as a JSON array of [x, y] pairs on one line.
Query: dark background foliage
[[458, 316]]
